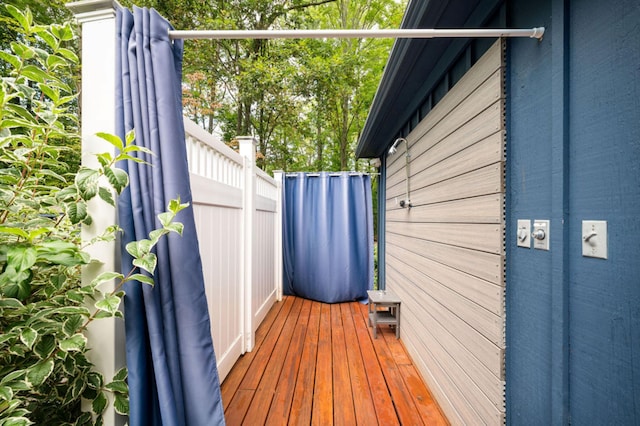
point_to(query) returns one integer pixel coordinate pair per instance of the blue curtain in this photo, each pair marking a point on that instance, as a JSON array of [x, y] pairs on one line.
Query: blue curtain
[[327, 236], [173, 378]]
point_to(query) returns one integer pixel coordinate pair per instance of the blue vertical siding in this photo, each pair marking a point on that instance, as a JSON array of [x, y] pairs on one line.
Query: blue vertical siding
[[529, 161], [573, 323], [605, 185]]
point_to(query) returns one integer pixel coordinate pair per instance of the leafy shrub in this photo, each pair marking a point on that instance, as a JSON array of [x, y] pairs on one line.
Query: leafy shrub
[[44, 307]]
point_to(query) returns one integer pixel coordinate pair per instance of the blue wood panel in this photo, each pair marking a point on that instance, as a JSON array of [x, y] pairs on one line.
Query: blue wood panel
[[529, 167], [605, 185], [573, 323]]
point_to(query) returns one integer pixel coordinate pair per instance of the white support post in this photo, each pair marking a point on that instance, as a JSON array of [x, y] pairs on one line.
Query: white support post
[[97, 17], [248, 151], [278, 175]]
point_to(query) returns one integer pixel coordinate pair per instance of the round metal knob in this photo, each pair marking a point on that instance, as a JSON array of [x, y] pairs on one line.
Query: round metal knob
[[538, 234]]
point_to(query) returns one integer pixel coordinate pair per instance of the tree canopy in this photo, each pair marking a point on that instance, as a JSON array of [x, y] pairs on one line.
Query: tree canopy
[[304, 100]]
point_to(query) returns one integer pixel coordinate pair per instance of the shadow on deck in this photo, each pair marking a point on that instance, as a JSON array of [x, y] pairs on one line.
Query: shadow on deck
[[316, 363]]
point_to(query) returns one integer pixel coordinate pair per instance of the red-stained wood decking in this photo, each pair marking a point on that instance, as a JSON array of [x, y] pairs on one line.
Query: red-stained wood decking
[[316, 363]]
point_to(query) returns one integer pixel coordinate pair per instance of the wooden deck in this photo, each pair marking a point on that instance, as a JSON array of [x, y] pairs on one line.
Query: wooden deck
[[316, 363]]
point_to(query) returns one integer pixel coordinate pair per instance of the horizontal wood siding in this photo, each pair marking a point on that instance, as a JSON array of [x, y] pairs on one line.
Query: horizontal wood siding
[[445, 255]]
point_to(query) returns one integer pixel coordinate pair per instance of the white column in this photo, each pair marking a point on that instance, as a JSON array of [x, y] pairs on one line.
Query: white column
[[278, 175], [248, 151], [97, 17]]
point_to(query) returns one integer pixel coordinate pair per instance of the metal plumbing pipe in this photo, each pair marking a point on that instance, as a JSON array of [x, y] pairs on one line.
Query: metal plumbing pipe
[[392, 150]]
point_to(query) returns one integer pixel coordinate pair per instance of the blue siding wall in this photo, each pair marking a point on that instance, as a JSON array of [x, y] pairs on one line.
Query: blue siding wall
[[573, 323], [529, 158], [604, 362]]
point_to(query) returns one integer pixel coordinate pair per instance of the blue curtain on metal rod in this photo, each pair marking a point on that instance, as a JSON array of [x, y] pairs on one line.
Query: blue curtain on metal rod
[[173, 378], [327, 236]]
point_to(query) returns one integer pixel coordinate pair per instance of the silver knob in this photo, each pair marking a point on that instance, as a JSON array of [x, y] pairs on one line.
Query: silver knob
[[538, 234]]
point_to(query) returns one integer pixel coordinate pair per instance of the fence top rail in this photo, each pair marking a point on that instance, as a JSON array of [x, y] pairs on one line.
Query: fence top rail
[[194, 130], [265, 176]]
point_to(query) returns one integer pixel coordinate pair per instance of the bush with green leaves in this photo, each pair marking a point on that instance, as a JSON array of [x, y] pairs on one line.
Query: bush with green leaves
[[45, 308]]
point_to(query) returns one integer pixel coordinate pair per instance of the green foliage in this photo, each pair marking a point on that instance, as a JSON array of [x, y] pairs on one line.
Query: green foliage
[[13, 30], [306, 101], [44, 306]]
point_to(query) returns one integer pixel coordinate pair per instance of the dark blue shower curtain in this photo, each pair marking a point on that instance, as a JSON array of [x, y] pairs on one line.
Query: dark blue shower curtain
[[327, 236], [173, 379]]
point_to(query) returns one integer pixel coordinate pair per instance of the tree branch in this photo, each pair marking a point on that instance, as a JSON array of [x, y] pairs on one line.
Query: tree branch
[[305, 5]]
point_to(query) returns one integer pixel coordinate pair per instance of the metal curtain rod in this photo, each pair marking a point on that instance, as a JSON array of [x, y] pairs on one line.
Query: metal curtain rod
[[537, 33], [331, 174]]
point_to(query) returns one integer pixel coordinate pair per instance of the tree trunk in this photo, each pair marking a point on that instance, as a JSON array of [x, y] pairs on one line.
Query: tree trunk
[[344, 133]]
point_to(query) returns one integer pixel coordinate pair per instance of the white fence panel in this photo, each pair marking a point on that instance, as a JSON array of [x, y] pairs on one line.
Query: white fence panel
[[236, 209], [264, 256], [219, 230]]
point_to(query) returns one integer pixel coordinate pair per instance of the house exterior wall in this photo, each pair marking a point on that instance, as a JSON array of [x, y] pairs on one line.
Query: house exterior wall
[[573, 111], [572, 154], [445, 255]]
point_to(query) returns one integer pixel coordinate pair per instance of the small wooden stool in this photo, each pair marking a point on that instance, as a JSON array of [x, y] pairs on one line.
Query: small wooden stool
[[391, 315]]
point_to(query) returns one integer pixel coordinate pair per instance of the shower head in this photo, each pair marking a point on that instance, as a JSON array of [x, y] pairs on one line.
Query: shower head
[[394, 147]]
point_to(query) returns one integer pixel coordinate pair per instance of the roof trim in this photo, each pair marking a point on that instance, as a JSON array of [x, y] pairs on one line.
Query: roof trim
[[415, 66]]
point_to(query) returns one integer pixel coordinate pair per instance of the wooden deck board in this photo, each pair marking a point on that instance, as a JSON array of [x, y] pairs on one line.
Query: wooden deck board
[[342, 395], [384, 408], [302, 398], [315, 363], [362, 398], [283, 398], [259, 408], [237, 373], [322, 413], [429, 410]]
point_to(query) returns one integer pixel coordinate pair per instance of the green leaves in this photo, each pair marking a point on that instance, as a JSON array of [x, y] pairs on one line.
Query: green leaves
[[106, 277], [62, 253], [6, 393], [18, 421], [142, 278], [35, 74], [28, 336], [141, 250], [121, 404], [148, 262], [77, 342], [112, 139], [99, 404], [106, 196], [110, 303], [15, 281], [45, 347], [21, 257], [73, 323], [37, 374], [117, 178], [45, 200], [25, 19], [77, 212], [87, 182]]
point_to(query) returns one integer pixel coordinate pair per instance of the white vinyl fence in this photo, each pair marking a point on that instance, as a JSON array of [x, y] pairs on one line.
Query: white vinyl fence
[[237, 213], [236, 208]]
